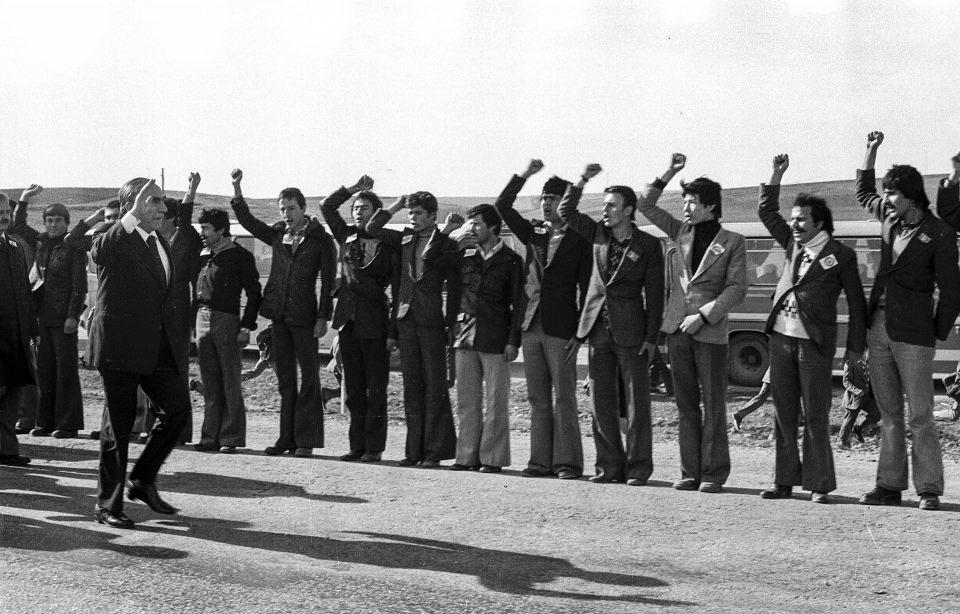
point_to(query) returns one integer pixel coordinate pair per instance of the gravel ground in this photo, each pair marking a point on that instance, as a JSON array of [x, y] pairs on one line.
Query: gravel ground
[[267, 534]]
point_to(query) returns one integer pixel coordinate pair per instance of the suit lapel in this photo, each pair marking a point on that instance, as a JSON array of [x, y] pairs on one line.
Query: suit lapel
[[685, 243], [914, 246], [630, 257], [564, 244], [601, 253], [146, 258], [716, 249]]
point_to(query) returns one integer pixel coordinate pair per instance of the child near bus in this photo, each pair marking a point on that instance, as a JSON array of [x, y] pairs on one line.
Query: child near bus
[[753, 404], [857, 397]]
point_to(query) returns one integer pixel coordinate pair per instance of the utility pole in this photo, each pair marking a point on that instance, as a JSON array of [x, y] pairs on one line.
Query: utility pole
[[161, 178]]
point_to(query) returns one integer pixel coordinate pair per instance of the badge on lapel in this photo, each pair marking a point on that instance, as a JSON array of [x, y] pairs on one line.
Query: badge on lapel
[[12, 242], [540, 230], [632, 255], [924, 238], [353, 238], [828, 262], [717, 249], [406, 239], [470, 252]]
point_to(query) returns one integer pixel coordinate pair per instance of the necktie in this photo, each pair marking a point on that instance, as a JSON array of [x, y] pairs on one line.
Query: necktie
[[798, 264], [155, 258]]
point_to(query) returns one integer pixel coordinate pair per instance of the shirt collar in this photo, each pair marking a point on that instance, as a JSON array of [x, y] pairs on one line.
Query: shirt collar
[[493, 250], [814, 245]]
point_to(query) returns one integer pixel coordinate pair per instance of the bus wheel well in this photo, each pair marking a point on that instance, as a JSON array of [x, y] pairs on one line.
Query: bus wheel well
[[749, 355]]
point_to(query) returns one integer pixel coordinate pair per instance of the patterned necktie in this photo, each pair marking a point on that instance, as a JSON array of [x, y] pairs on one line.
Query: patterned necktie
[[155, 258]]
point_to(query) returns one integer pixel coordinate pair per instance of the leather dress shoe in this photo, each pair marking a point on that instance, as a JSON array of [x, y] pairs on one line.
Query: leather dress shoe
[[64, 434], [303, 452], [880, 496], [459, 467], [490, 469], [370, 457], [711, 487], [602, 479], [407, 462], [14, 460], [567, 474], [149, 495], [686, 484], [22, 430], [533, 472], [203, 447], [228, 449], [779, 491], [636, 482], [277, 450], [41, 432], [429, 463], [352, 455], [117, 520], [819, 497], [929, 502]]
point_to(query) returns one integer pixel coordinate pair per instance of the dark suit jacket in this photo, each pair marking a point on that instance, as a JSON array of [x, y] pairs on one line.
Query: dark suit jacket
[[64, 289], [290, 294], [359, 294], [929, 260], [491, 295], [563, 275], [15, 298], [419, 299], [134, 305], [633, 293], [817, 291]]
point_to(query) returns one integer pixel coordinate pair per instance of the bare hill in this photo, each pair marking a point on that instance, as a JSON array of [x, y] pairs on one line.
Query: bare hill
[[739, 204]]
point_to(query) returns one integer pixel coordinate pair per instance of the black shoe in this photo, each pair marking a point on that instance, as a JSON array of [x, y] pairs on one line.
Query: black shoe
[[196, 385], [95, 435], [929, 501], [352, 455], [41, 432], [567, 474], [459, 467], [738, 422], [64, 434], [687, 484], [778, 491], [228, 449], [408, 462], [880, 496], [202, 447], [149, 495], [819, 497], [602, 479], [636, 482], [711, 487], [117, 520], [533, 472], [490, 469], [22, 430], [278, 450], [303, 452], [14, 460], [429, 463], [370, 457]]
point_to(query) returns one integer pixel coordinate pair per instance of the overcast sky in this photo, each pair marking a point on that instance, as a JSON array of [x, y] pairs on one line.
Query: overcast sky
[[453, 97]]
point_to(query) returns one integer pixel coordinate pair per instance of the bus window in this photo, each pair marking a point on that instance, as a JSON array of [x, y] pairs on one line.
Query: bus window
[[868, 257], [765, 262]]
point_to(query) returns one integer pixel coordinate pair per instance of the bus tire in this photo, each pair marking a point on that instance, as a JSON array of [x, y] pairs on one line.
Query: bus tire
[[749, 358]]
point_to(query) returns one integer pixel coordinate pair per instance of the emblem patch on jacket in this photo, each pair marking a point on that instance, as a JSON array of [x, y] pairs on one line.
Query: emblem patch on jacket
[[540, 230], [924, 238], [717, 249], [828, 262], [407, 239], [470, 252], [632, 255]]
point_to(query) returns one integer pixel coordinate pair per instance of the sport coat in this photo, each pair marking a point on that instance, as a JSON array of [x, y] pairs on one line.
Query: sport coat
[[359, 294], [15, 299], [633, 294], [817, 291], [564, 278], [717, 285], [134, 305], [419, 298], [928, 261]]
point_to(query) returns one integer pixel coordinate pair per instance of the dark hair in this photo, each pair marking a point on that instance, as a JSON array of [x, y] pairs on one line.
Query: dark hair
[[4, 200], [819, 210], [708, 190], [908, 181], [113, 204], [370, 197], [293, 194], [128, 191], [422, 199], [172, 206], [628, 195], [489, 215], [218, 218], [57, 209], [554, 187]]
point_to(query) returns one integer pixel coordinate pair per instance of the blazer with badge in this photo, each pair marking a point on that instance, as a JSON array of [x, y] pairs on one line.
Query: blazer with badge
[[490, 310], [419, 298], [816, 293], [562, 275], [134, 304], [717, 285], [633, 293], [929, 260], [359, 293]]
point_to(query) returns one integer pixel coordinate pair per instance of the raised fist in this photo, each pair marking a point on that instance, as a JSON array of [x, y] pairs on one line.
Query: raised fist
[[677, 162], [874, 139], [781, 162], [453, 222], [592, 170], [534, 167], [236, 175], [365, 183], [30, 192], [193, 181]]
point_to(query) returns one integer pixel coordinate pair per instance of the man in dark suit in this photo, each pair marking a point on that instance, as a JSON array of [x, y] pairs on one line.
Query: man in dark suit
[[558, 265], [706, 279], [131, 344], [302, 252], [361, 312], [489, 319], [803, 335], [420, 325], [621, 320], [18, 330], [948, 208], [918, 256]]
